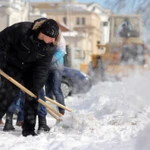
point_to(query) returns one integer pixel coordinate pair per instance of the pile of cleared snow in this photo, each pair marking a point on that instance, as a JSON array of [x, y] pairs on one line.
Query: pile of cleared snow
[[109, 110], [109, 117]]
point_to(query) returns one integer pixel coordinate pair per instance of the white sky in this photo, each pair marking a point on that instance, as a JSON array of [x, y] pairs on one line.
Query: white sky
[[111, 116], [101, 2]]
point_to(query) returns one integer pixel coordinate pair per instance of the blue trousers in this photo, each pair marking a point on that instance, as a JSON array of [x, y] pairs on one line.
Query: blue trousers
[[41, 109], [17, 106], [53, 87]]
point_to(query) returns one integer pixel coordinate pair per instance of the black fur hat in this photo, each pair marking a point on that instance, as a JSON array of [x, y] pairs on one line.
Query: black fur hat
[[50, 28]]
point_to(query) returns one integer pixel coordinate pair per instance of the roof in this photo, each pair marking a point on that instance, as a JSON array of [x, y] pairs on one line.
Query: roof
[[63, 28]]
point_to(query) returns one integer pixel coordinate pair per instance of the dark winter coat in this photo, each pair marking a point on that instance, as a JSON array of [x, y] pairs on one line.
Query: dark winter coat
[[20, 47]]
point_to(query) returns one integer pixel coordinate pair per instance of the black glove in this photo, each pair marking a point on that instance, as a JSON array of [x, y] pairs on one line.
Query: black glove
[[37, 93], [29, 98]]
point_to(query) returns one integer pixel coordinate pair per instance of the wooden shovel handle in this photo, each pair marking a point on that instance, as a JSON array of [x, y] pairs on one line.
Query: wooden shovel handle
[[53, 115], [49, 107], [28, 92], [58, 104]]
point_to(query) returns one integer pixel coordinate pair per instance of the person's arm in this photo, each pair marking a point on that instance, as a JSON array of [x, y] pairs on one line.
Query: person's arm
[[60, 50], [57, 55], [40, 71], [62, 44], [9, 37]]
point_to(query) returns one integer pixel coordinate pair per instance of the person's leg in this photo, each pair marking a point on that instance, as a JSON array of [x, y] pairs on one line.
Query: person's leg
[[30, 112], [42, 114], [57, 78], [1, 121], [49, 86], [9, 122], [42, 109], [8, 91], [30, 108], [5, 98], [13, 109], [20, 116]]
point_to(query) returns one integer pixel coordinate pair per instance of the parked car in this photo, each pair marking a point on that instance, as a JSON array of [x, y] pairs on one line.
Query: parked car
[[75, 82]]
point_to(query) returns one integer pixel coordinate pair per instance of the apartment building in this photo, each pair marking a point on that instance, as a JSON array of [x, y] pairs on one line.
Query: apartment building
[[104, 15], [85, 22], [12, 11]]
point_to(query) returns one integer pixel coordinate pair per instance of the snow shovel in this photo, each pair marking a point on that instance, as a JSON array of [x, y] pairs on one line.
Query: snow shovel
[[51, 110], [58, 104]]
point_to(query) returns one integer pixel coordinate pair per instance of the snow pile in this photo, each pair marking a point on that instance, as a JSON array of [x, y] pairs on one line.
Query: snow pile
[[109, 111], [112, 116]]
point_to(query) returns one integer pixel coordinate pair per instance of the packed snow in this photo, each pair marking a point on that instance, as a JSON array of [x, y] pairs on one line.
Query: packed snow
[[111, 116]]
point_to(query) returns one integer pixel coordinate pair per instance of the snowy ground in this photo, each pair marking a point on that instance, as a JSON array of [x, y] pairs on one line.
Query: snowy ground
[[112, 116]]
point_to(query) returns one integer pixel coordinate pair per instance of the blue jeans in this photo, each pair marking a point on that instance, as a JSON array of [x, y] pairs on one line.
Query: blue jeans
[[20, 116], [53, 87], [17, 106], [41, 109]]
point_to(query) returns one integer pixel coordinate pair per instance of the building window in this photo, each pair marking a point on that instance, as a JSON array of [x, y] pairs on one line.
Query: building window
[[77, 20], [64, 20], [83, 21], [80, 21], [105, 23], [78, 54]]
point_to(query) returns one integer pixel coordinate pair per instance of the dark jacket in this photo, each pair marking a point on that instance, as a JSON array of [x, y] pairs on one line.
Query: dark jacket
[[20, 47]]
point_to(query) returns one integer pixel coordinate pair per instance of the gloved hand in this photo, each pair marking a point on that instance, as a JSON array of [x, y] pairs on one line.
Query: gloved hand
[[37, 94], [29, 98]]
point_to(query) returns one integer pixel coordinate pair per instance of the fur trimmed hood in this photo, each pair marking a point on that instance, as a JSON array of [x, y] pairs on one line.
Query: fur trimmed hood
[[39, 24]]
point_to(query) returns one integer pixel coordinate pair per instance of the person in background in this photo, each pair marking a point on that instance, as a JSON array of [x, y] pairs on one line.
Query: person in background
[[17, 107], [26, 50], [53, 83], [42, 113], [1, 121]]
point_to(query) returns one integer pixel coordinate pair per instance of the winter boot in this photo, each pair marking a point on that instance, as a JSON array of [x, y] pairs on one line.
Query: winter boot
[[28, 133], [9, 123], [42, 125], [1, 121], [28, 129], [62, 111], [19, 123]]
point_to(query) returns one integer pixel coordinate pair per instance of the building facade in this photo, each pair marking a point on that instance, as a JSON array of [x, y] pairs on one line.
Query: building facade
[[86, 23], [12, 11]]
